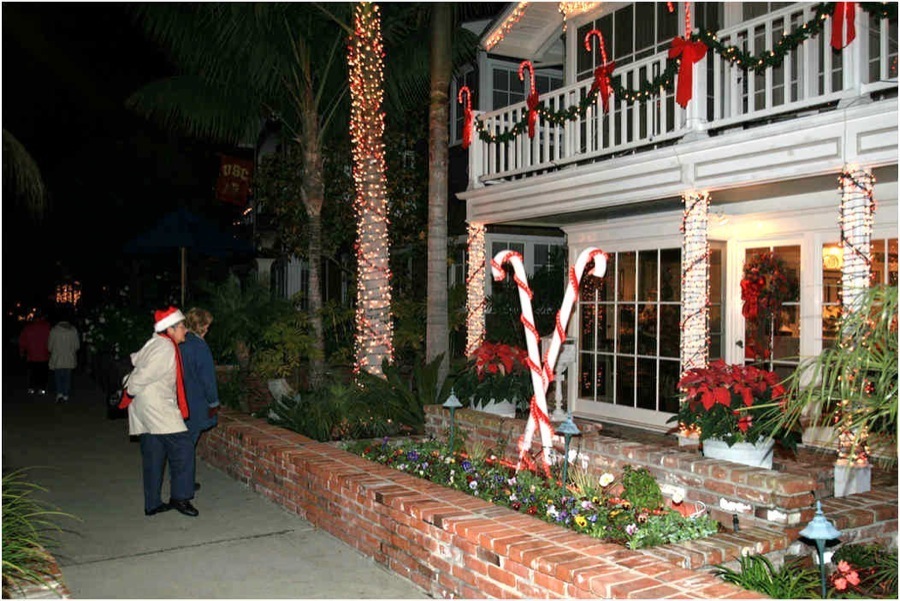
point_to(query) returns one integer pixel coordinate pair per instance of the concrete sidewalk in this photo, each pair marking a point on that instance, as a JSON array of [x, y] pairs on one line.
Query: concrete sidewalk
[[240, 546]]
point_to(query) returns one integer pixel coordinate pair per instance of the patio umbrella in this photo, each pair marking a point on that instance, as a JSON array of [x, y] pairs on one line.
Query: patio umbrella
[[184, 230]]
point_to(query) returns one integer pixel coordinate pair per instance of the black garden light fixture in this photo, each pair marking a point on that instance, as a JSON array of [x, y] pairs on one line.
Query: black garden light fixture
[[820, 530], [452, 403], [568, 429]]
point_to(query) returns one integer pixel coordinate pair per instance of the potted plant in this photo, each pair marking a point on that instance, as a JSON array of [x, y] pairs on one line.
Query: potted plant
[[496, 379], [729, 408]]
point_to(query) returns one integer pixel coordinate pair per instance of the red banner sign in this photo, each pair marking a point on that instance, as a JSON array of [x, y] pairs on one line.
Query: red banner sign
[[234, 180]]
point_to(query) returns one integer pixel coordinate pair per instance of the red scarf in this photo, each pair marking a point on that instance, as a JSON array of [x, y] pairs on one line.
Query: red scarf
[[179, 384]]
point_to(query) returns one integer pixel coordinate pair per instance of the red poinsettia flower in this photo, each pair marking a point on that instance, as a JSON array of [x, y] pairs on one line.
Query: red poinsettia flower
[[744, 423]]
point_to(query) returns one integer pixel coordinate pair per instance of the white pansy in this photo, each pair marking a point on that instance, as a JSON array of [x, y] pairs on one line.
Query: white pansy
[[606, 479], [677, 497]]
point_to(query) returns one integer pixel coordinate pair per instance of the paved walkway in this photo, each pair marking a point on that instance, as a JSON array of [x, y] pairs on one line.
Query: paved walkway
[[241, 545]]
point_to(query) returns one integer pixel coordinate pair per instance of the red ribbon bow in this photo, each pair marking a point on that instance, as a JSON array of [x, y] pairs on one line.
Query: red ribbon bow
[[602, 82], [750, 289], [690, 53], [532, 102], [844, 17]]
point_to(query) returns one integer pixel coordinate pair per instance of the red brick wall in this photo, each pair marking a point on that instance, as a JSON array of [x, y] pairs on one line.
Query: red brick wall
[[449, 543]]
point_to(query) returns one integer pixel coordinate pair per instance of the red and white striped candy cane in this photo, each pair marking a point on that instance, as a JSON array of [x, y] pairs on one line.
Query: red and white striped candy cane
[[538, 413], [576, 274]]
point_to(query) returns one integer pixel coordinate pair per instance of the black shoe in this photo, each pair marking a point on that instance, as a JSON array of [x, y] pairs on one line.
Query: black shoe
[[196, 486], [158, 509], [184, 507]]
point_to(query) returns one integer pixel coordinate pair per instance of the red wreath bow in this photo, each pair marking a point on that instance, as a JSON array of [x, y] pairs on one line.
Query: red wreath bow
[[690, 53], [602, 82], [467, 115], [750, 290], [844, 17]]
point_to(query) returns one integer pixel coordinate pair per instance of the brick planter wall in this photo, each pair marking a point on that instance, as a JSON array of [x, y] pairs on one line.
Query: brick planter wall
[[771, 505], [449, 543]]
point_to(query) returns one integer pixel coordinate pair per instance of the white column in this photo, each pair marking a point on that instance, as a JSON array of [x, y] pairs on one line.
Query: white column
[[694, 281], [857, 218], [475, 299]]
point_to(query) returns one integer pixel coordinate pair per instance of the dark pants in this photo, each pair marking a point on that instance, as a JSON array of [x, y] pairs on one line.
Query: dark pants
[[63, 379], [178, 450], [37, 371]]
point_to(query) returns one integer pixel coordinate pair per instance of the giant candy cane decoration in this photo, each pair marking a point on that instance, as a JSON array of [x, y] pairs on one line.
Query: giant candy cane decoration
[[541, 379], [532, 341]]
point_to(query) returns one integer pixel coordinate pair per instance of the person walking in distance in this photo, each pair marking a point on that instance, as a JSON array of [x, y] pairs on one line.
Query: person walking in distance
[[157, 407], [33, 348], [63, 345], [199, 377]]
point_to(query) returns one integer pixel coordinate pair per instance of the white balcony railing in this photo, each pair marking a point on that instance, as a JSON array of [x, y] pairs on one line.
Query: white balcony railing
[[812, 75]]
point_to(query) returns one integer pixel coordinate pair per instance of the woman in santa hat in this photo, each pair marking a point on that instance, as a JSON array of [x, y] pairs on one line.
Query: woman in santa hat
[[157, 407]]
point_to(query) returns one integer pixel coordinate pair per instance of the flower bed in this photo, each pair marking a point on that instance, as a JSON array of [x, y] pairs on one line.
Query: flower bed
[[628, 510]]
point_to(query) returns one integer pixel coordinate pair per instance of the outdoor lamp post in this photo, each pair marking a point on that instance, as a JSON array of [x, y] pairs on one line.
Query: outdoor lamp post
[[452, 403], [821, 530], [568, 429]]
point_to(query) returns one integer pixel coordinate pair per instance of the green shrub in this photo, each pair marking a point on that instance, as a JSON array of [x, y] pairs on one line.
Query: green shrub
[[641, 489], [876, 566], [791, 581]]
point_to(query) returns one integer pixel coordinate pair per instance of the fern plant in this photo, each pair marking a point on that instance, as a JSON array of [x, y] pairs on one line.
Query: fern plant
[[791, 581], [28, 528]]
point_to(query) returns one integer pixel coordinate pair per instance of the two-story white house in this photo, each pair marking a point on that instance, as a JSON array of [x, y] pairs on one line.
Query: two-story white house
[[752, 163]]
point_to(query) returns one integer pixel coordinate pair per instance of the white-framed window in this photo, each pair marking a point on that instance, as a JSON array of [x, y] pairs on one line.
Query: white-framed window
[[883, 271], [630, 334], [508, 89], [467, 76]]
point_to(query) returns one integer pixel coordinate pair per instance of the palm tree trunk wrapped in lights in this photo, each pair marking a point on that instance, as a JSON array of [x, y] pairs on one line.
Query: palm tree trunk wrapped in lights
[[374, 332]]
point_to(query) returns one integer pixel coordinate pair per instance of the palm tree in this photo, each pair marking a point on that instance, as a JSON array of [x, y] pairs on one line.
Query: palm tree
[[411, 82], [22, 176], [242, 64]]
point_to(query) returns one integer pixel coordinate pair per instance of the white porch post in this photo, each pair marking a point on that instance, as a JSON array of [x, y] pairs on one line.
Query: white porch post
[[694, 281], [476, 154], [475, 299], [857, 219]]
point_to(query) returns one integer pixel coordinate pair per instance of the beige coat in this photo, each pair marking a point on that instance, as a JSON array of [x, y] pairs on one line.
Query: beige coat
[[154, 409], [63, 344]]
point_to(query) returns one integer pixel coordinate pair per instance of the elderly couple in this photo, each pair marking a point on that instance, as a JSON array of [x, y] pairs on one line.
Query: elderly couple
[[171, 396]]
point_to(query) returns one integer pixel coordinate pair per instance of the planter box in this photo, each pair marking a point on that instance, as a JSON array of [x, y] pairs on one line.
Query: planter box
[[754, 455]]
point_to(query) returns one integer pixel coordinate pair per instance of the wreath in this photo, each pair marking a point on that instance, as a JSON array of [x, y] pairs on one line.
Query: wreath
[[766, 285]]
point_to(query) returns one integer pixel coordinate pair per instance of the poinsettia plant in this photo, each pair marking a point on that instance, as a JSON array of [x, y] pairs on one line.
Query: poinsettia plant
[[496, 371], [732, 403]]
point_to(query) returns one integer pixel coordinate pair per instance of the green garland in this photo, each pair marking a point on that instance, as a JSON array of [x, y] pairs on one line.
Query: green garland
[[666, 79]]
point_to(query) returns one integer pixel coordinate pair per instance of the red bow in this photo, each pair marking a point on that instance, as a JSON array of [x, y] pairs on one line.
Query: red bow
[[532, 103], [690, 53], [602, 75], [844, 16], [750, 289], [179, 385]]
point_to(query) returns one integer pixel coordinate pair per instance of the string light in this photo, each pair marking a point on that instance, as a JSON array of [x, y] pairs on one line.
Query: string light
[[507, 24], [694, 280], [365, 54], [68, 294], [573, 9], [856, 221], [475, 299]]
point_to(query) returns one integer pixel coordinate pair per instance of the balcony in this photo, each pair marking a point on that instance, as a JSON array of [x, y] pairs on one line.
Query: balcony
[[812, 78]]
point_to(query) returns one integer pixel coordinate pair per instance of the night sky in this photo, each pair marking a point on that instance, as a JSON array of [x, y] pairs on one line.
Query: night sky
[[67, 70]]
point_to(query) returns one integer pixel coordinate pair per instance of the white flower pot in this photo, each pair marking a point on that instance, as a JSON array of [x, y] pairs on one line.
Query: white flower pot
[[745, 453], [502, 408]]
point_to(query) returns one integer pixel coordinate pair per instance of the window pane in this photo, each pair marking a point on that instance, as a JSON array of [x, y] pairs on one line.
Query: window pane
[[669, 373], [626, 329], [604, 378], [585, 58], [791, 257], [715, 275], [590, 287], [586, 377], [648, 264], [787, 334], [646, 384], [644, 26], [669, 331], [625, 382], [541, 254], [670, 275], [519, 247], [607, 283], [626, 275], [623, 45], [501, 79], [647, 330], [588, 323], [830, 318], [666, 23], [605, 329]]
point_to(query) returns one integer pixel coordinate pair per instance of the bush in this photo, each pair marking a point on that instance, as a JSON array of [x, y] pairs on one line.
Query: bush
[[791, 581]]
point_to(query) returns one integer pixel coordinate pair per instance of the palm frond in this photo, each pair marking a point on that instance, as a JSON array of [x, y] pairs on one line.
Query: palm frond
[[23, 176]]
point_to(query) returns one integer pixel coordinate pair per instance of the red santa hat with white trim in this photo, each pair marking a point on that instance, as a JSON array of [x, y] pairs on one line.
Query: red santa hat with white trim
[[166, 318]]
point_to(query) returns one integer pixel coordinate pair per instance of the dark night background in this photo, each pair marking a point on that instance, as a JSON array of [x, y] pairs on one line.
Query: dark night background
[[67, 70]]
